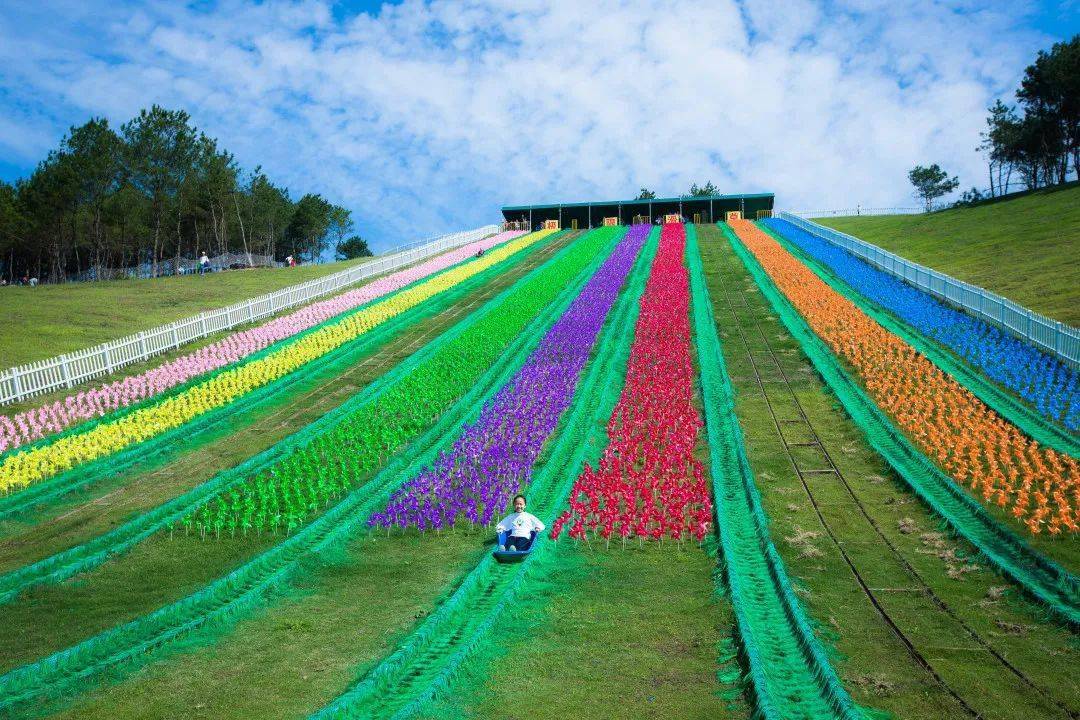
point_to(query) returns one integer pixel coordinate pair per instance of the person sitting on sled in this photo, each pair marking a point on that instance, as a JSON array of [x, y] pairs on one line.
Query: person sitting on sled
[[520, 525]]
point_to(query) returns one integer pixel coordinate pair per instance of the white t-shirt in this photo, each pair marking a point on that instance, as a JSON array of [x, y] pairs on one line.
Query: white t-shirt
[[520, 524]]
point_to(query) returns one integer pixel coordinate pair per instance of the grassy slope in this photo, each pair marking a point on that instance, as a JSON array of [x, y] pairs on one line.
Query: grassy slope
[[83, 515], [876, 668], [1018, 248], [619, 633], [613, 634], [162, 569], [63, 318]]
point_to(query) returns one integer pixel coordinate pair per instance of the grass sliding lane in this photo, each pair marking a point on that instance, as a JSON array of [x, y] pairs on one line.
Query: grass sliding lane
[[619, 634], [626, 632], [922, 628], [427, 661], [157, 450], [790, 674], [1043, 579], [245, 587], [1005, 403], [40, 462]]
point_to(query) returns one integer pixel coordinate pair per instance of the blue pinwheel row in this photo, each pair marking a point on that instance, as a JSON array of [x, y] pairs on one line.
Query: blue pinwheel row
[[1051, 387], [493, 457]]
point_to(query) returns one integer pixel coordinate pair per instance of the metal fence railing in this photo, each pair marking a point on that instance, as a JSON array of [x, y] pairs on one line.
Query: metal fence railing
[[66, 370], [859, 210], [1051, 336]]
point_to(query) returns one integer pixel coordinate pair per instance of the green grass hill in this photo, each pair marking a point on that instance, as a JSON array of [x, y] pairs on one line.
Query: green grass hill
[[1027, 248], [43, 321]]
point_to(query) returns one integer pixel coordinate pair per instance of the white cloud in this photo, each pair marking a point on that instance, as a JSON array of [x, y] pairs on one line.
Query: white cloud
[[429, 116]]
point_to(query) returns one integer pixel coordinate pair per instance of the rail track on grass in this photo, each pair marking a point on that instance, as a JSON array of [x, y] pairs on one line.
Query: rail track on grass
[[1043, 579], [789, 675], [830, 467]]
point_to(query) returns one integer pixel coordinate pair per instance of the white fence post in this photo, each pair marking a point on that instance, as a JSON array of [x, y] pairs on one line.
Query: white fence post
[[16, 386], [65, 371]]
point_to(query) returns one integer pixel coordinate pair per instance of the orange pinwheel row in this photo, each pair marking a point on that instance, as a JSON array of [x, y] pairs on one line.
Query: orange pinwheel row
[[973, 444]]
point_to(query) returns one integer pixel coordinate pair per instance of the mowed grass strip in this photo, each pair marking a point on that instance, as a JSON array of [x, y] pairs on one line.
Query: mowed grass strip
[[157, 479], [607, 635], [1024, 249], [291, 660], [877, 669], [47, 320], [154, 573]]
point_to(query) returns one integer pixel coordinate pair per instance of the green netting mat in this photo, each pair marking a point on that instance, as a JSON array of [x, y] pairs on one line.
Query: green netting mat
[[790, 675], [1053, 586]]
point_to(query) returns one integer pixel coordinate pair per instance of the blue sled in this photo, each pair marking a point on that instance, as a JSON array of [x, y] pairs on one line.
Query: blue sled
[[512, 556]]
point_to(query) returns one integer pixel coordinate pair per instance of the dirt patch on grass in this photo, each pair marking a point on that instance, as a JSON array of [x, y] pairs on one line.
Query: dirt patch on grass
[[803, 541], [877, 685], [936, 544]]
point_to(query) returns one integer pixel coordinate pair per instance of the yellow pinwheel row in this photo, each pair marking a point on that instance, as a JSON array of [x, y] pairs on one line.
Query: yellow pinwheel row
[[36, 464]]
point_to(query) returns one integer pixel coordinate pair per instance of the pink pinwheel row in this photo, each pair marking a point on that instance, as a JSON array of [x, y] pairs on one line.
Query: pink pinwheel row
[[54, 417]]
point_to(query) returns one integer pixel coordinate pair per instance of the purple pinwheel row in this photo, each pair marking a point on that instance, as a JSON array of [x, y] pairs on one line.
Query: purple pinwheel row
[[492, 459]]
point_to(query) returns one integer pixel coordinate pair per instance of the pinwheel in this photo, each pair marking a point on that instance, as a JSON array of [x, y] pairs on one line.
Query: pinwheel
[[23, 468], [34, 424], [648, 484], [1041, 379], [977, 448], [493, 457]]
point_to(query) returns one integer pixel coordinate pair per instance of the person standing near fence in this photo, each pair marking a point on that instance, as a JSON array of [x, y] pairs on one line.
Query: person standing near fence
[[204, 264]]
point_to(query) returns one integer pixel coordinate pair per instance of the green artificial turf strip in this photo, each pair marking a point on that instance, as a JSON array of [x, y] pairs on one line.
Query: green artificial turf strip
[[876, 668], [47, 320], [1024, 249]]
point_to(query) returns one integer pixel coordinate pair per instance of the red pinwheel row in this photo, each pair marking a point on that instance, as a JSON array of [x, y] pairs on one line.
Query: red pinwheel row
[[648, 484]]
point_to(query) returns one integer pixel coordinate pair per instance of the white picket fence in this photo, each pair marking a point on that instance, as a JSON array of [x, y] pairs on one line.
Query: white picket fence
[[1051, 336], [65, 371]]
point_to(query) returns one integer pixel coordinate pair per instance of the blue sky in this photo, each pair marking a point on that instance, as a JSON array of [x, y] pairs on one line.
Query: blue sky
[[424, 117]]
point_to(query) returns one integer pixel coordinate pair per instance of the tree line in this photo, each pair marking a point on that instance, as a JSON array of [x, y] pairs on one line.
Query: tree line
[[1033, 144], [154, 190], [1037, 141], [695, 191]]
